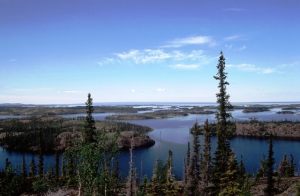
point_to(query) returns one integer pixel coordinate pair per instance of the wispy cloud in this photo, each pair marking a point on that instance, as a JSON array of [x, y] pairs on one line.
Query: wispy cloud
[[185, 66], [233, 37], [72, 91], [253, 68], [133, 90], [243, 47], [192, 40], [151, 56]]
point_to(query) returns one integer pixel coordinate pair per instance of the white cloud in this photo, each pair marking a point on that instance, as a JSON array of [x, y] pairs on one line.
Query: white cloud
[[253, 68], [232, 38], [72, 91], [144, 56], [161, 90], [149, 56], [192, 40], [228, 46], [132, 90], [106, 61], [242, 48], [185, 66]]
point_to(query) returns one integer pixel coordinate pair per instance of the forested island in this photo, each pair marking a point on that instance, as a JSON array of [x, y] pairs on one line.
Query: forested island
[[57, 134]]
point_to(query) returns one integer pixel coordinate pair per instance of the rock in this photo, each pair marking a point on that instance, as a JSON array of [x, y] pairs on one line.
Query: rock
[[140, 141]]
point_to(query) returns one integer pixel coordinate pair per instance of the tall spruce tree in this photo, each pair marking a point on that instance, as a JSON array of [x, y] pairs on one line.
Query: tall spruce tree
[[41, 156], [24, 167], [89, 131], [269, 191], [193, 170], [223, 116], [206, 163]]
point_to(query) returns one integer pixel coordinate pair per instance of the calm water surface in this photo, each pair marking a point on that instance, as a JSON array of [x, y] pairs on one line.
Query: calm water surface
[[173, 134]]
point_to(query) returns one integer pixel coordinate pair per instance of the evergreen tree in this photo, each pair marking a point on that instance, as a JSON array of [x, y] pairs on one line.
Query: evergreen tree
[[41, 165], [131, 186], [32, 166], [229, 184], [41, 157], [24, 169], [57, 168], [155, 183], [206, 162], [269, 191], [89, 134], [284, 167], [187, 162], [223, 116], [292, 167], [8, 167], [144, 187], [170, 185], [193, 170]]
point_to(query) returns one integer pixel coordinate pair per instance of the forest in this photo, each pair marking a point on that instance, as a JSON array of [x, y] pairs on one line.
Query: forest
[[90, 167]]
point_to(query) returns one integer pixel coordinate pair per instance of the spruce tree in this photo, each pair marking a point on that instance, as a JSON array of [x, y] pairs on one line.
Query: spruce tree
[[229, 184], [170, 188], [156, 188], [187, 163], [32, 166], [24, 169], [269, 191], [206, 163], [223, 116], [57, 168], [193, 170], [292, 167], [41, 157], [284, 167], [89, 134]]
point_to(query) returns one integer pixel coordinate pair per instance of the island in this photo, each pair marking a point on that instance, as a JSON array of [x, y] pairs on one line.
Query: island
[[57, 134]]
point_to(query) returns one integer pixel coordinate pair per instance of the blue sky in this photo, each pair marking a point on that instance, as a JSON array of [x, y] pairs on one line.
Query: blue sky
[[56, 51]]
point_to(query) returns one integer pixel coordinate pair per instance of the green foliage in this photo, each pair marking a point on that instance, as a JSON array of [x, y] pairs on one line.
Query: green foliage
[[287, 167], [224, 130], [206, 162], [229, 182], [10, 182], [40, 185], [25, 135], [269, 191], [89, 128], [24, 170], [193, 170]]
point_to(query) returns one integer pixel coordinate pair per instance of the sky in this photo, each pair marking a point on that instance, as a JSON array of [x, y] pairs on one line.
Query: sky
[[57, 51]]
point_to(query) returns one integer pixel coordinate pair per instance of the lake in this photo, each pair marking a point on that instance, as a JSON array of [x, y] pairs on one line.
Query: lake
[[173, 134]]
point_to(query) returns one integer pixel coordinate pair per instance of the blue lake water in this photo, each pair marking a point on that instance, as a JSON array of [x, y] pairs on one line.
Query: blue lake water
[[173, 134]]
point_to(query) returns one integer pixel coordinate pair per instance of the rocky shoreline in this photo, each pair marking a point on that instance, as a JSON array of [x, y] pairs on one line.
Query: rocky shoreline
[[283, 130]]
